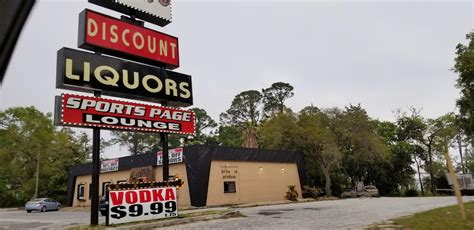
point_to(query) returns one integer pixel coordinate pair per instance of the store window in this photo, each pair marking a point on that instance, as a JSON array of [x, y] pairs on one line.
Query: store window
[[80, 191], [229, 187]]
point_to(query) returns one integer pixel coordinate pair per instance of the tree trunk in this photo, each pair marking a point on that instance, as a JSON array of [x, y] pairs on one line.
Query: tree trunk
[[327, 178], [432, 181], [419, 177], [460, 154]]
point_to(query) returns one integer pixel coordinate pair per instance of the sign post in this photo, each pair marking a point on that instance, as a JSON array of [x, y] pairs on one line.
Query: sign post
[[95, 172], [152, 81], [457, 191]]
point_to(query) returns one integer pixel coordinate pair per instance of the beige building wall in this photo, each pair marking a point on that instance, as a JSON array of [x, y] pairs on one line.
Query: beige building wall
[[255, 182], [86, 180], [184, 199], [113, 177]]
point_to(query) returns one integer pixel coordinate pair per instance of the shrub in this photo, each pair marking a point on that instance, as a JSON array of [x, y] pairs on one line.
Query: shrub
[[292, 194], [310, 192], [411, 192]]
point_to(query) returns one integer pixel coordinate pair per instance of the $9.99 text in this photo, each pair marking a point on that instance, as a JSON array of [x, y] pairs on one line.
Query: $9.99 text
[[136, 210]]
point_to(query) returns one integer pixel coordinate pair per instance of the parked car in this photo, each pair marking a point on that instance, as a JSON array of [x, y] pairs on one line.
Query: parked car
[[371, 191], [42, 204], [103, 206], [348, 193]]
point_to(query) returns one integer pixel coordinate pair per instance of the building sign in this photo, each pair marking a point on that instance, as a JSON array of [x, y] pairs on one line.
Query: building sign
[[109, 35], [83, 71], [109, 165], [86, 111], [142, 204], [229, 172], [174, 156], [154, 11]]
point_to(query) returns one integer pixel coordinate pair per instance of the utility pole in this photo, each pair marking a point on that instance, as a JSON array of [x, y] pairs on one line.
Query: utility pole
[[37, 176]]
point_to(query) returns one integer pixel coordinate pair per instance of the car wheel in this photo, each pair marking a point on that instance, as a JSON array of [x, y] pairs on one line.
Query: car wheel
[[59, 208], [28, 211], [43, 209]]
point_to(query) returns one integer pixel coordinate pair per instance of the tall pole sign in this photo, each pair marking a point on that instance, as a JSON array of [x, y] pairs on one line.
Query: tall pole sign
[[153, 81]]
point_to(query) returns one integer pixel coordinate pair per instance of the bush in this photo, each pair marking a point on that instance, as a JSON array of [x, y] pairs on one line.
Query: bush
[[411, 192], [292, 194], [310, 192]]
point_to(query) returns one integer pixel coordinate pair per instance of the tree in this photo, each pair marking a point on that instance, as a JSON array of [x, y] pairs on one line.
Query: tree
[[464, 66], [311, 109], [202, 122], [274, 97], [137, 143], [319, 144], [357, 139], [410, 132], [29, 140], [279, 132], [245, 112], [437, 134], [229, 135], [396, 171]]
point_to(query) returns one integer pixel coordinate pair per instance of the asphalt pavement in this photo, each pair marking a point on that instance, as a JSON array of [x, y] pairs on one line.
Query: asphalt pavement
[[337, 214]]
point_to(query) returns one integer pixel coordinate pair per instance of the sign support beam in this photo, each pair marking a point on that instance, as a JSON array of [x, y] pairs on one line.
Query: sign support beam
[[95, 173], [164, 146]]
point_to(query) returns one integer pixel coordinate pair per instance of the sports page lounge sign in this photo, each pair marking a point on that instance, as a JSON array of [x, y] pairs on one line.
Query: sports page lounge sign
[[80, 111], [83, 71], [101, 32]]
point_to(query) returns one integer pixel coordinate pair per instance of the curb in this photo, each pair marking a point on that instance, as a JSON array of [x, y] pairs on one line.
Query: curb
[[177, 221]]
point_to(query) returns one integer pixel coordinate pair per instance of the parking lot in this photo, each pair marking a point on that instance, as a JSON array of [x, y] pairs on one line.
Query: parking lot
[[338, 214], [20, 219]]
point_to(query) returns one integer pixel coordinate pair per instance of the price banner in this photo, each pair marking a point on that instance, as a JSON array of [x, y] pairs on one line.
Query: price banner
[[142, 204], [174, 156]]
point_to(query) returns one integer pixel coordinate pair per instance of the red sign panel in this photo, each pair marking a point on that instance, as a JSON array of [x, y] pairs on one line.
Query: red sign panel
[[110, 35], [76, 110], [142, 204]]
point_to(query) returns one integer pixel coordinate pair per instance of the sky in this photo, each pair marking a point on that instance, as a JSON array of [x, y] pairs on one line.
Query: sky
[[383, 55]]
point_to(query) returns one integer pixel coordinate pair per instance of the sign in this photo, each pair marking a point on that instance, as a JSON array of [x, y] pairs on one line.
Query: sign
[[86, 111], [142, 204], [83, 71], [113, 36], [109, 165], [174, 156], [154, 11]]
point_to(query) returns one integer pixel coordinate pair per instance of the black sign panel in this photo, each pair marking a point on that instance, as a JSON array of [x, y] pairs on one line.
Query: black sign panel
[[88, 72]]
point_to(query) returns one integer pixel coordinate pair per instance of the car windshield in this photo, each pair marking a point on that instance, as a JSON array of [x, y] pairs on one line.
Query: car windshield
[[37, 200]]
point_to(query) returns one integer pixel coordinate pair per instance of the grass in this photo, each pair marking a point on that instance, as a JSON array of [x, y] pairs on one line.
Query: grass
[[440, 218]]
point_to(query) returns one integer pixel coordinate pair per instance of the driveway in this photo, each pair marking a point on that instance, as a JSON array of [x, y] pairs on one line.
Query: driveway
[[339, 214]]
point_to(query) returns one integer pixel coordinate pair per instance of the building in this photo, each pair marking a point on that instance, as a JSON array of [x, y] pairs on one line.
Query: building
[[213, 175]]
